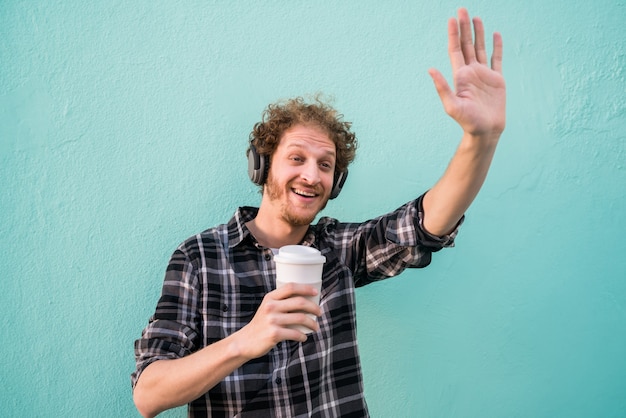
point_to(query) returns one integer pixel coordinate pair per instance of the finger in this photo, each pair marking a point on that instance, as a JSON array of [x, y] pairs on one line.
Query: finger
[[285, 331], [441, 85], [277, 302], [298, 319], [467, 45], [295, 335], [479, 43], [454, 46], [299, 304], [496, 57], [294, 289]]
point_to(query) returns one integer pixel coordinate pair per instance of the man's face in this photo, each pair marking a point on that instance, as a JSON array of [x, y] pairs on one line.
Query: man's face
[[301, 174]]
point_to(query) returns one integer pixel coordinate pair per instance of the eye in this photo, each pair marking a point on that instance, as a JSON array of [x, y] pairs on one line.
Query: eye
[[326, 166]]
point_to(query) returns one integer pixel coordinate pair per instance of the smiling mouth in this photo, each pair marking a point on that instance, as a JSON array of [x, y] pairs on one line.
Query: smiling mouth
[[303, 193]]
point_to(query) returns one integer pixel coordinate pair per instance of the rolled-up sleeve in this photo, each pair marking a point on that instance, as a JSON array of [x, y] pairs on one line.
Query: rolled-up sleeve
[[385, 246], [434, 242], [173, 330]]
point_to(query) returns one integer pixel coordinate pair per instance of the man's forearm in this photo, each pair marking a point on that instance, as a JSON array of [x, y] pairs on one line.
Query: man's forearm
[[166, 384], [447, 201]]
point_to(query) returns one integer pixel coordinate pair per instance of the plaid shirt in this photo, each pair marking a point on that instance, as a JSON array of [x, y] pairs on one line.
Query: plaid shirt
[[216, 280]]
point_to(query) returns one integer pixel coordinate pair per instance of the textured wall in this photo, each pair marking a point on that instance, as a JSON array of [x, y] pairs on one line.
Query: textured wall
[[123, 127]]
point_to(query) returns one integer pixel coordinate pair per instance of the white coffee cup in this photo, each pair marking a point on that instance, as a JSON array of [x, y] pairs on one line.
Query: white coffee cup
[[300, 264]]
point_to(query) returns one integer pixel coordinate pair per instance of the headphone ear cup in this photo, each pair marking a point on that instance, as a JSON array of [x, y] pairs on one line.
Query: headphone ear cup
[[340, 179], [257, 166]]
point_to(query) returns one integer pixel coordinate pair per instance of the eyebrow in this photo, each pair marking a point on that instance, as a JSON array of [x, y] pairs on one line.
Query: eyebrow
[[330, 153]]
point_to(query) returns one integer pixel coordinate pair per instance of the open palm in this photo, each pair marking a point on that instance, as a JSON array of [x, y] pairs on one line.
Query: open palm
[[478, 101]]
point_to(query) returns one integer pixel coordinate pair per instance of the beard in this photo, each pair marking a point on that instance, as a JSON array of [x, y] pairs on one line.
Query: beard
[[276, 193]]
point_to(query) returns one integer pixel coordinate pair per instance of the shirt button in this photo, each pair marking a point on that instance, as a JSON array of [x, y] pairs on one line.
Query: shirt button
[[278, 380], [268, 257], [225, 308]]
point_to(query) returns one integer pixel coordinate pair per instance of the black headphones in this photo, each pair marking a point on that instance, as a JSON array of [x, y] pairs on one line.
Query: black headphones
[[258, 166]]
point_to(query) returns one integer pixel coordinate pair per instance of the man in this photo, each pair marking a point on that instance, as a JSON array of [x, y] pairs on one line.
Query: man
[[222, 337]]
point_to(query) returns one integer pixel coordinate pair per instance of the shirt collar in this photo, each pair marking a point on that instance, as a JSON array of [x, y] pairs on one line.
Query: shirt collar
[[237, 229]]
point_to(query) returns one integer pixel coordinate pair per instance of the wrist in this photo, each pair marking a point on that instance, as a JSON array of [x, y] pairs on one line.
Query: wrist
[[480, 143], [244, 345], [237, 347]]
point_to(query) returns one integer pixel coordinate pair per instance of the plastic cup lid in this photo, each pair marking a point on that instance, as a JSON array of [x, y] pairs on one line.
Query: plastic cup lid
[[299, 254]]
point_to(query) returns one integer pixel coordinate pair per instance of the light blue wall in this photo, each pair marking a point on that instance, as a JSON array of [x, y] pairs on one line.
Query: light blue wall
[[123, 127]]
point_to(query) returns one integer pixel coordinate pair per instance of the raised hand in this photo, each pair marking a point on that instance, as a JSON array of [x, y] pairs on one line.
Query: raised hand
[[479, 97]]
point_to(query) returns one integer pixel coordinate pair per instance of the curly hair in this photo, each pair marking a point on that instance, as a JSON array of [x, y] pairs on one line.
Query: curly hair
[[280, 116]]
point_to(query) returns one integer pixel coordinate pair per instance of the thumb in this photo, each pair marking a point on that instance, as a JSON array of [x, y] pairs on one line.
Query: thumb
[[442, 86]]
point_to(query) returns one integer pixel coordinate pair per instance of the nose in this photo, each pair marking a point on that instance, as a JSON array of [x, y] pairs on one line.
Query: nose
[[311, 174]]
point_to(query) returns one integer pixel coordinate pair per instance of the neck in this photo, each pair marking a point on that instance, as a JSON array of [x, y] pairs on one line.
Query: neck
[[275, 234], [273, 231]]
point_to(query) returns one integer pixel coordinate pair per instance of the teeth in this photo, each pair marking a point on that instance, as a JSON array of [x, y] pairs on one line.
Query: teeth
[[303, 193]]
